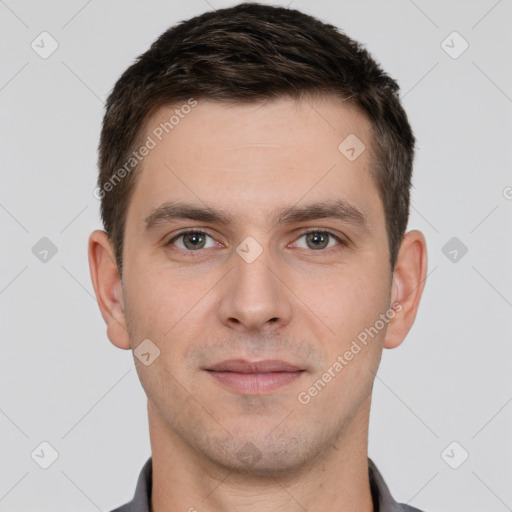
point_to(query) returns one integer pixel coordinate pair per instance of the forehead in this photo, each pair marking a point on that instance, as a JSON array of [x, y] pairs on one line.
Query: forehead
[[307, 127], [259, 156]]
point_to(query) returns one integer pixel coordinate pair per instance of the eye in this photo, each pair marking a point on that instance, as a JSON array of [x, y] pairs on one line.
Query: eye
[[318, 240], [192, 240]]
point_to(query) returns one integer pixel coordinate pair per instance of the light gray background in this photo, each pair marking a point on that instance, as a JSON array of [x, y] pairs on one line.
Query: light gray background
[[64, 383]]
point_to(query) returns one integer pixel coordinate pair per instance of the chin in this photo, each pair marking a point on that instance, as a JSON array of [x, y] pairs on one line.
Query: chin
[[263, 456]]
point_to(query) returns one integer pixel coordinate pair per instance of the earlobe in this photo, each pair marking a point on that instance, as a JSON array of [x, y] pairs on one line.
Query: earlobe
[[107, 287], [408, 282]]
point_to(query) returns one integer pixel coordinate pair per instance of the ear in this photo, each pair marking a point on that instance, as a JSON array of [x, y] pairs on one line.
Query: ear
[[108, 288], [408, 282]]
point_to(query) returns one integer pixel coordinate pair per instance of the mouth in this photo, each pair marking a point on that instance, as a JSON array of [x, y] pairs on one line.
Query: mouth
[[254, 377]]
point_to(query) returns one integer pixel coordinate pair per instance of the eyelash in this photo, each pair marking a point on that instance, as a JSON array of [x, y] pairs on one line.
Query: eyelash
[[340, 241]]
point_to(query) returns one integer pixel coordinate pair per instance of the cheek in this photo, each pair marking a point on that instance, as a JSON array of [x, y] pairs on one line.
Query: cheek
[[171, 310], [158, 310], [149, 307], [158, 299], [347, 299]]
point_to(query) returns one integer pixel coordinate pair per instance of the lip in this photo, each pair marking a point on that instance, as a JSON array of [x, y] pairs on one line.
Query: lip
[[243, 366], [254, 377]]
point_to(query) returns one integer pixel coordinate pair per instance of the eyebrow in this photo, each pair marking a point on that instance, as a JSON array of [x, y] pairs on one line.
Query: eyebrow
[[338, 210]]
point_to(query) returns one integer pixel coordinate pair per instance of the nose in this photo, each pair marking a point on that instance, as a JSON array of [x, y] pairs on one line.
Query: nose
[[254, 297]]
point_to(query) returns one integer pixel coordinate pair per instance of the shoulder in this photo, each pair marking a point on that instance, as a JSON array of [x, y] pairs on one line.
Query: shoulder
[[382, 498], [142, 496]]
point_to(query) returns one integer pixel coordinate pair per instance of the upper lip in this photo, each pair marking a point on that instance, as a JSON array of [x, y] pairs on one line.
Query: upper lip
[[243, 366]]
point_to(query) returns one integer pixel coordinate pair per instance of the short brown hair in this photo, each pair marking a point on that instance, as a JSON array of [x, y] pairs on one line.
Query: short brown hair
[[247, 53]]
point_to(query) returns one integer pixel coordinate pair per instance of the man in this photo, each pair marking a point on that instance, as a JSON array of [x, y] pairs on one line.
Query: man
[[255, 166]]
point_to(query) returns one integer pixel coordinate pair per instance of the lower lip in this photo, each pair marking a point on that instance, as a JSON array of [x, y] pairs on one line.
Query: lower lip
[[255, 383]]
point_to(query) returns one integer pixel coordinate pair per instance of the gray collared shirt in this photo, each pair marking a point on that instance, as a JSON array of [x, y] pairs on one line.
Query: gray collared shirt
[[382, 499]]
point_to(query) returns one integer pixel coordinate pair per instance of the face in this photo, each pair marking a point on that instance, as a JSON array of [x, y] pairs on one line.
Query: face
[[255, 256]]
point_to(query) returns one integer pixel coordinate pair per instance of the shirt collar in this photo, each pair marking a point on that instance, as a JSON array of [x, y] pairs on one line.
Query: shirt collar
[[382, 499]]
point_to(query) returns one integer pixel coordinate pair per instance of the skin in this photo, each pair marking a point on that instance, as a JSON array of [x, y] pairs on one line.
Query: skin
[[294, 302]]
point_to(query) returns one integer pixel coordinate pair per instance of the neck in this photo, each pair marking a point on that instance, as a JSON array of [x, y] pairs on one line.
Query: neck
[[184, 480]]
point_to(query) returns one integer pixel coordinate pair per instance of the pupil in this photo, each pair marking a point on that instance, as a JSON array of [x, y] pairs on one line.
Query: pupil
[[193, 240], [318, 239]]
